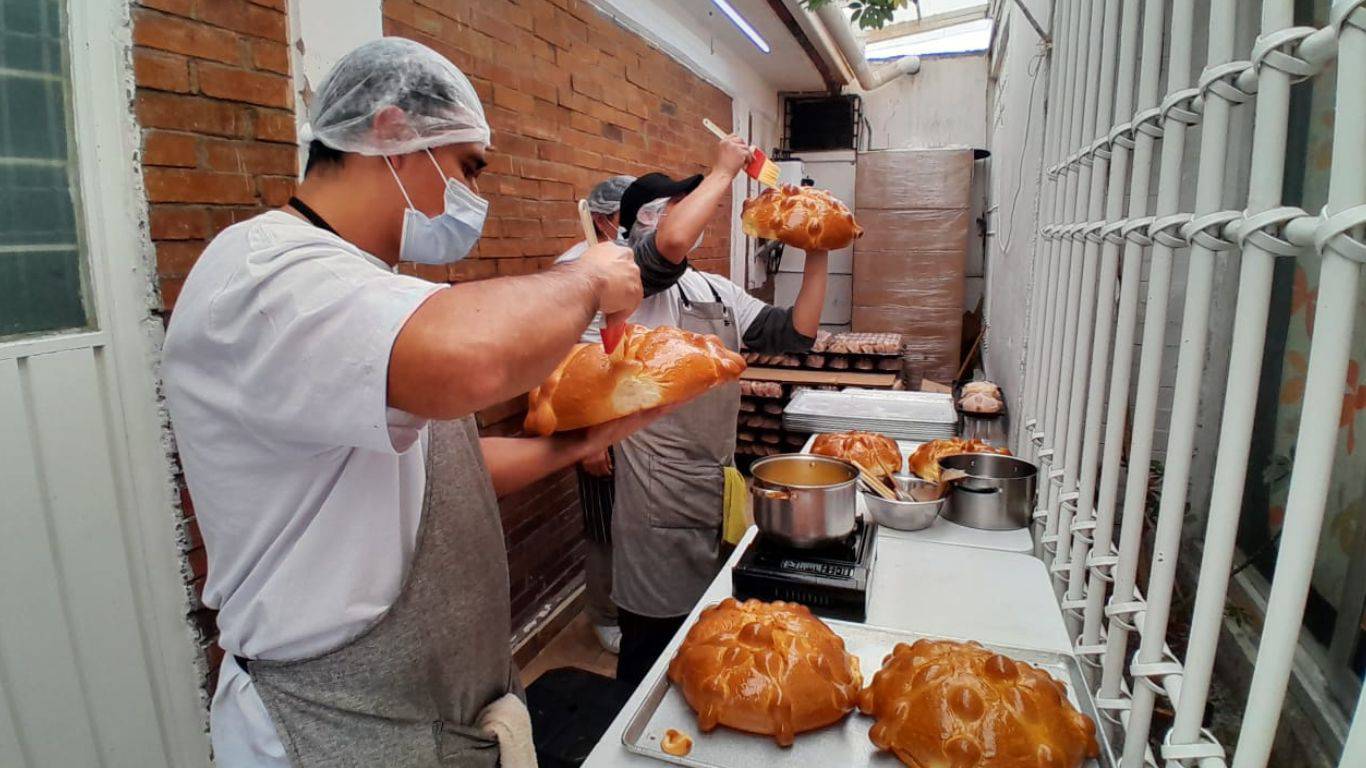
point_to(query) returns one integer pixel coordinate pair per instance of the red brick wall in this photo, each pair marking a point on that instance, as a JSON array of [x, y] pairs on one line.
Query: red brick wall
[[215, 104], [572, 99]]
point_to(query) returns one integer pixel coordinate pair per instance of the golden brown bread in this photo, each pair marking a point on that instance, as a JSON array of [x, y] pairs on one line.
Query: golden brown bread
[[940, 703], [766, 668], [654, 367], [925, 461], [803, 217], [878, 454]]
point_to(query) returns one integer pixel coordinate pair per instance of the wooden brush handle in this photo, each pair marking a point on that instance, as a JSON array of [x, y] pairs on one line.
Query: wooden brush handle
[[716, 129], [590, 233]]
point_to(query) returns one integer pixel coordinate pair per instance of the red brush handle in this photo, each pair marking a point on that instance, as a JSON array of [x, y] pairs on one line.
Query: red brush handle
[[756, 163], [612, 331]]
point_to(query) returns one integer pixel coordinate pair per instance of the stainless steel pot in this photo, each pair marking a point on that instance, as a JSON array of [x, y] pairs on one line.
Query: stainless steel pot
[[804, 500], [996, 495]]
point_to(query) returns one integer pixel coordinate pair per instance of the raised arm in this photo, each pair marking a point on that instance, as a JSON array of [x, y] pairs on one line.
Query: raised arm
[[476, 344], [806, 310], [688, 217]]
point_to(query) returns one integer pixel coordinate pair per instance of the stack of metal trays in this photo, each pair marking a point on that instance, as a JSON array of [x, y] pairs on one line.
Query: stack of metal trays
[[911, 416]]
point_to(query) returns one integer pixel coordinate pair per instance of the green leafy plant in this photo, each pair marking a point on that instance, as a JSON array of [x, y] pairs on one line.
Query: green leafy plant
[[868, 14]]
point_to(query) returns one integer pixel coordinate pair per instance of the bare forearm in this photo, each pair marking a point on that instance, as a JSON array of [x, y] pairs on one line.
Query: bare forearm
[[516, 462], [475, 344], [806, 311], [689, 216]]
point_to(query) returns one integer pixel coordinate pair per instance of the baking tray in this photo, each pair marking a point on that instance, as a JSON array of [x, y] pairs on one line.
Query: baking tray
[[844, 743]]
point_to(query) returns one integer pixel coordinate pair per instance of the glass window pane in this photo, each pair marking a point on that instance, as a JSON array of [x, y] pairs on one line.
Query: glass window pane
[[42, 285]]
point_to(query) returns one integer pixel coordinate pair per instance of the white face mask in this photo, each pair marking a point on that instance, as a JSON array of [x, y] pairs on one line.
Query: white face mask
[[447, 237]]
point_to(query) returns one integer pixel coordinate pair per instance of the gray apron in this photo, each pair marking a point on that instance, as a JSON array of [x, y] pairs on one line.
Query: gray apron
[[407, 690], [666, 521]]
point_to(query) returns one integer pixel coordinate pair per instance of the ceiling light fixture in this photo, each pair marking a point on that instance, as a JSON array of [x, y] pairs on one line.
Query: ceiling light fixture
[[744, 26]]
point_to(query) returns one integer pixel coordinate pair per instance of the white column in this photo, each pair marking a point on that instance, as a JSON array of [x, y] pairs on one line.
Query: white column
[[1266, 182], [1076, 361], [1087, 35], [1122, 604], [1105, 310], [1042, 263], [1341, 239], [1102, 560]]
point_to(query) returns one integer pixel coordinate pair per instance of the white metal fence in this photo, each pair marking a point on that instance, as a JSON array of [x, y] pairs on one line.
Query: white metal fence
[[1108, 122]]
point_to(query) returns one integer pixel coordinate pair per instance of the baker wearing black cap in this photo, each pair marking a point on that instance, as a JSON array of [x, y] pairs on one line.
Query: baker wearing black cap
[[670, 476]]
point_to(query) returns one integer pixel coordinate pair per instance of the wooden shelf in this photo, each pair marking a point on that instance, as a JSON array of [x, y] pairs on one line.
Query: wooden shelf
[[838, 378]]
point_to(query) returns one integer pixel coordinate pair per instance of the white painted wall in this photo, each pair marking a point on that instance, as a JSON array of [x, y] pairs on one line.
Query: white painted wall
[[942, 105], [320, 33], [1016, 99]]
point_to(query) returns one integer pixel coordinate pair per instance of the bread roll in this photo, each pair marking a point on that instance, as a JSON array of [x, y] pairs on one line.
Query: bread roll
[[803, 217], [943, 703], [925, 461], [654, 367], [879, 454], [978, 402], [767, 668]]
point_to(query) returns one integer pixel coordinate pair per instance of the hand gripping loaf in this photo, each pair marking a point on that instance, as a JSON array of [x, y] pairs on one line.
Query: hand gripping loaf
[[767, 668], [803, 217], [654, 367], [944, 703]]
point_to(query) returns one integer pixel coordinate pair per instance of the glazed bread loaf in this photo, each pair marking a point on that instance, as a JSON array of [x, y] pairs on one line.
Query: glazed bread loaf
[[653, 368], [767, 668], [878, 454], [802, 217], [942, 703], [925, 461]]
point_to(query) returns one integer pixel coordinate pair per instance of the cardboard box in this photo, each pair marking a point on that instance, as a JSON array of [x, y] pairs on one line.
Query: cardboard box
[[914, 178]]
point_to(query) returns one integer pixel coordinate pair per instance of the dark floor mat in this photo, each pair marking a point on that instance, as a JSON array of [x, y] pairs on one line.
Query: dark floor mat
[[570, 711]]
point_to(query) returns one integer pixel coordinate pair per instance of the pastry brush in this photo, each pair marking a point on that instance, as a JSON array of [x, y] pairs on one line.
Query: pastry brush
[[760, 168], [614, 325]]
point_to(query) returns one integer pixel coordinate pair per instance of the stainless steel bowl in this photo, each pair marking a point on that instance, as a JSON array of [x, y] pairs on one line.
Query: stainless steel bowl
[[997, 494], [903, 515], [804, 500], [918, 488]]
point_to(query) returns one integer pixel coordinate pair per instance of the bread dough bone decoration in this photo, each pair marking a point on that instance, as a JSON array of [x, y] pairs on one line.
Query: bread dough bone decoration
[[802, 217]]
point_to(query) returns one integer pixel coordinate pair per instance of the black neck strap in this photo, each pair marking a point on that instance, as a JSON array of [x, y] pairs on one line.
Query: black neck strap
[[311, 215]]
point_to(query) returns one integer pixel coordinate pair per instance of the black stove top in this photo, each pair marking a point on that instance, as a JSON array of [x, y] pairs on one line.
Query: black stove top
[[832, 581]]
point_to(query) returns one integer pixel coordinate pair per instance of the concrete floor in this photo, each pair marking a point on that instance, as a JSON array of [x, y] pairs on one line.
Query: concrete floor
[[574, 646]]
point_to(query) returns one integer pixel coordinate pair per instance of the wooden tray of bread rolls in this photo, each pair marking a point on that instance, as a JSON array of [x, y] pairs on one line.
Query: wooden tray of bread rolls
[[841, 744]]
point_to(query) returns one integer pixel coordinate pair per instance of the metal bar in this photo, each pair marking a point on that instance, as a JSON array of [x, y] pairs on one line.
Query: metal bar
[[1150, 358], [1061, 350], [1127, 311], [1340, 275], [1034, 357], [1033, 22], [1268, 160], [1105, 312], [1076, 360]]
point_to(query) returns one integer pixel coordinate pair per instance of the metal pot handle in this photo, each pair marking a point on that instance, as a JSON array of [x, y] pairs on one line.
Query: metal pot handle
[[771, 495]]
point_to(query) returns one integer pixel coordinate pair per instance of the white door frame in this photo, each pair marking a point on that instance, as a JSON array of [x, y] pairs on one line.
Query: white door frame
[[120, 261]]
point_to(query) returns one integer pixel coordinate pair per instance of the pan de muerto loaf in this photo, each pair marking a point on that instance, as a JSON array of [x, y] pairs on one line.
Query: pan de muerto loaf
[[943, 704], [803, 217], [766, 668], [654, 367]]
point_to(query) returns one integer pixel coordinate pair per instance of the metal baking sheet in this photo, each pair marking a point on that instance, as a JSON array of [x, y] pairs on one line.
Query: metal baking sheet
[[916, 416], [844, 743]]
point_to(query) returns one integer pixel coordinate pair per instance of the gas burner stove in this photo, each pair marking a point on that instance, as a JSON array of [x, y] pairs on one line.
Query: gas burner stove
[[833, 580]]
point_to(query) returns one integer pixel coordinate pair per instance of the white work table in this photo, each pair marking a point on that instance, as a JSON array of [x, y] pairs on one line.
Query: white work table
[[926, 586]]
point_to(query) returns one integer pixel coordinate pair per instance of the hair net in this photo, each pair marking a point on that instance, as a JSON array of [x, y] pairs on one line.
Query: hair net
[[438, 103], [647, 219], [606, 196]]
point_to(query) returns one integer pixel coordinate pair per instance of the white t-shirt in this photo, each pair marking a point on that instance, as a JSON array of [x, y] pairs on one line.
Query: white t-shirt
[[307, 486]]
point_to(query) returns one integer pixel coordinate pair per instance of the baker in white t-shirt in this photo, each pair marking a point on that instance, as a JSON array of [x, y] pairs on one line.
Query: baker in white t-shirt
[[667, 508], [313, 391]]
